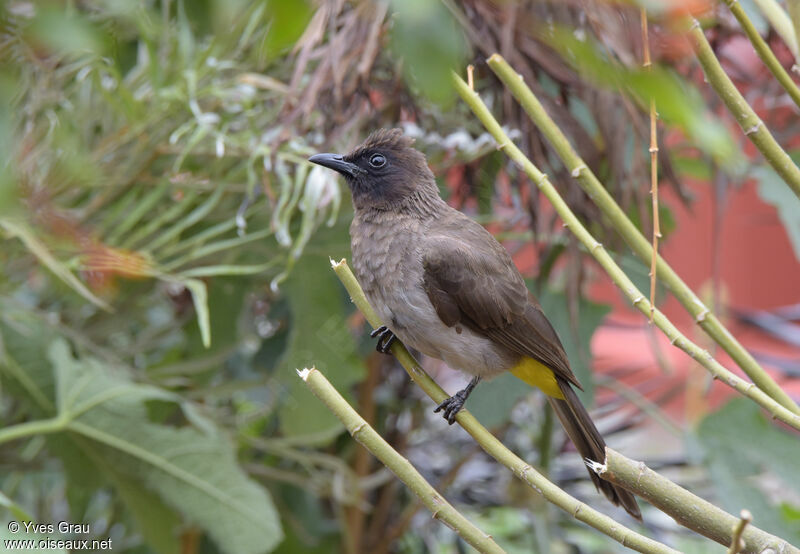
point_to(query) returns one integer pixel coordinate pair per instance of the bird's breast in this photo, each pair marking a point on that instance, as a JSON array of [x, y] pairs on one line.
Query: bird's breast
[[387, 260]]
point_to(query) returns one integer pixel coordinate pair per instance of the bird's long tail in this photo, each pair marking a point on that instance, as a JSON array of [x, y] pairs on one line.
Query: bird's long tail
[[584, 435]]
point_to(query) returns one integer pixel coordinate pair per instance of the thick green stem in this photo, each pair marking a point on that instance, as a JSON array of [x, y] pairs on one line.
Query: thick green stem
[[750, 123], [764, 52], [614, 271], [687, 509], [632, 236], [400, 466], [492, 445]]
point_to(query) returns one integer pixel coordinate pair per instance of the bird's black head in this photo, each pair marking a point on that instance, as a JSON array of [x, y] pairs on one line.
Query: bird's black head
[[383, 172]]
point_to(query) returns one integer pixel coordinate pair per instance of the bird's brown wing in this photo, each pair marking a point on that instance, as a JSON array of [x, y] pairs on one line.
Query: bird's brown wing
[[472, 280]]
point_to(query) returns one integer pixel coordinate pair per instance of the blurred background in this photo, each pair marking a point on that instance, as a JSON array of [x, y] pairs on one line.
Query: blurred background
[[165, 268]]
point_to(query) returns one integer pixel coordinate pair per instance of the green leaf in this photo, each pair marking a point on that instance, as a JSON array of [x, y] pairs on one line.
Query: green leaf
[[64, 31], [192, 471], [200, 301], [773, 190], [493, 402], [38, 249], [430, 43], [216, 270], [16, 510], [639, 273], [287, 20], [155, 520], [724, 442], [677, 101], [319, 337]]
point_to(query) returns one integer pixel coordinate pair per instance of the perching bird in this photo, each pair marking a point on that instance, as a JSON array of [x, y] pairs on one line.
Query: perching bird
[[444, 286]]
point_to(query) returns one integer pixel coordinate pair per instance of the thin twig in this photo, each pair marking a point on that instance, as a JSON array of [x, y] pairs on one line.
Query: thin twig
[[635, 239], [653, 168], [737, 544], [687, 509], [400, 466], [491, 445]]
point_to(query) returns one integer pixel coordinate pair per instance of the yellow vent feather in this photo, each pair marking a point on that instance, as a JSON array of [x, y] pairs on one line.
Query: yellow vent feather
[[538, 375]]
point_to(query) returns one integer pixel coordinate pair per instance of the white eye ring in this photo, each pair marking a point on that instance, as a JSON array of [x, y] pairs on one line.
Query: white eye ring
[[377, 160]]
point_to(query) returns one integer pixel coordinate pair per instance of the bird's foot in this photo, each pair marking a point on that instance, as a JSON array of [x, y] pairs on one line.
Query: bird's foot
[[453, 405], [385, 338]]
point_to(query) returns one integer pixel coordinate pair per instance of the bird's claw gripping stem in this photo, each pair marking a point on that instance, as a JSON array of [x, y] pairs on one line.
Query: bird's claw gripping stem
[[453, 405], [385, 339]]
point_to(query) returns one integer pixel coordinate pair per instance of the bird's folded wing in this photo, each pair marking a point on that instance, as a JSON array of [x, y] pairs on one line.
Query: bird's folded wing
[[472, 280]]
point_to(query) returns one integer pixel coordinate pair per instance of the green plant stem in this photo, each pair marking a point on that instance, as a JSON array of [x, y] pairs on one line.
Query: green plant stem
[[764, 52], [750, 123], [492, 445], [632, 236], [687, 509], [32, 428], [400, 466], [780, 22], [614, 271]]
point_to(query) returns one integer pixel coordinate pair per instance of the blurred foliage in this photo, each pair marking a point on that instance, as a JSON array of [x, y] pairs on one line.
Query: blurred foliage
[[426, 38], [737, 470], [165, 261], [678, 102], [773, 190]]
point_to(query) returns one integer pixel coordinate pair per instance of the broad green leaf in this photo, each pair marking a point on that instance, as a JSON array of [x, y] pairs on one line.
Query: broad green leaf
[[721, 443], [157, 523], [286, 21], [105, 417], [426, 37], [678, 103], [64, 31], [319, 337], [40, 250], [773, 190], [493, 400]]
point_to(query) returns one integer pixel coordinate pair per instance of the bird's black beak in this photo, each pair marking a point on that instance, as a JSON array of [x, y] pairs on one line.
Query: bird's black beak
[[337, 163]]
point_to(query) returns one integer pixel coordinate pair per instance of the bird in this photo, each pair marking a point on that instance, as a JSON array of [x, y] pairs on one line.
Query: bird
[[443, 285]]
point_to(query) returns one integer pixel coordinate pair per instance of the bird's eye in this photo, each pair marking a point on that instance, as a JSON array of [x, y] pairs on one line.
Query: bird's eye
[[377, 160]]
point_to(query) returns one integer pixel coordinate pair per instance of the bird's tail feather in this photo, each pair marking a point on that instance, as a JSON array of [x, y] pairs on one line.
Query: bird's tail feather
[[584, 435]]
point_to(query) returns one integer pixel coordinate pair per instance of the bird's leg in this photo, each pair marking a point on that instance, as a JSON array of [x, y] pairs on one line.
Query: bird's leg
[[385, 338], [453, 405]]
